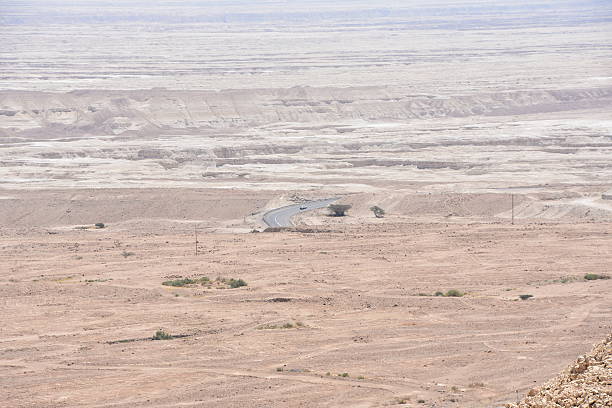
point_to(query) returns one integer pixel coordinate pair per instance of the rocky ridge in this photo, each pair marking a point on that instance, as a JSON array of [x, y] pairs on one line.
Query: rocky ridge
[[586, 383]]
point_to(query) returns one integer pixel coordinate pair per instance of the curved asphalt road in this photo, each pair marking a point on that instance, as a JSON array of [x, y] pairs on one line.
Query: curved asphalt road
[[281, 217]]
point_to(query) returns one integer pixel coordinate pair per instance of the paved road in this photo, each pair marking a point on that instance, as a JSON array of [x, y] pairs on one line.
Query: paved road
[[281, 217]]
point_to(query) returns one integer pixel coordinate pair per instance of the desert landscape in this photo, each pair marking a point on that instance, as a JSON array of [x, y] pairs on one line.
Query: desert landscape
[[143, 144]]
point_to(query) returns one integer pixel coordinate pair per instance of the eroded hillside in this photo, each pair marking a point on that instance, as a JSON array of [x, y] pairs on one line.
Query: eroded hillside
[[114, 112]]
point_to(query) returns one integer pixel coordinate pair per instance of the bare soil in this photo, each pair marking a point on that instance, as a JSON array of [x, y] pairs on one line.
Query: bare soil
[[359, 299]]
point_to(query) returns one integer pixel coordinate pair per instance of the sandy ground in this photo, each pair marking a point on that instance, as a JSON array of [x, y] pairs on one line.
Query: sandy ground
[[231, 210], [358, 295], [126, 209]]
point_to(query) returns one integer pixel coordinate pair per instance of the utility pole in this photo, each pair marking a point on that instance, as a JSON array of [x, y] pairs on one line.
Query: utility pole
[[512, 199], [195, 231]]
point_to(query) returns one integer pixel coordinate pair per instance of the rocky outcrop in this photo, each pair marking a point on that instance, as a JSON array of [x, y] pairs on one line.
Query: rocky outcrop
[[586, 383]]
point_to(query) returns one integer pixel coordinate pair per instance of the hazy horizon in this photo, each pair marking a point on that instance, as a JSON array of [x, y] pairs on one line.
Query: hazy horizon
[[236, 11]]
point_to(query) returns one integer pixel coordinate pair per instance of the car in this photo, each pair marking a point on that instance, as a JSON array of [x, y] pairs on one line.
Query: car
[[303, 207]]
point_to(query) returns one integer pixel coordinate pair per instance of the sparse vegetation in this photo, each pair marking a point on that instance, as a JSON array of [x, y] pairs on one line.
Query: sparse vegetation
[[279, 300], [594, 276], [449, 293], [179, 282], [570, 279], [126, 341], [236, 283], [220, 283], [288, 325], [361, 377], [378, 212], [345, 375], [125, 254], [525, 297], [162, 335], [231, 283], [279, 369], [63, 279], [339, 210], [159, 335]]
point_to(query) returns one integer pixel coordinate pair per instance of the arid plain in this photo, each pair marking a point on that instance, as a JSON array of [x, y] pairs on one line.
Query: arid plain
[[173, 119]]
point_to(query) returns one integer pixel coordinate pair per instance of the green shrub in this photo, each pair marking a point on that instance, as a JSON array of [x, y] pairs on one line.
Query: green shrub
[[187, 281], [162, 335], [594, 276], [179, 282], [454, 293], [438, 293], [236, 283]]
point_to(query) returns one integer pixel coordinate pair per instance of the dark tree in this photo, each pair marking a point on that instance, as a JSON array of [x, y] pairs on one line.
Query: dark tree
[[339, 210], [378, 212]]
